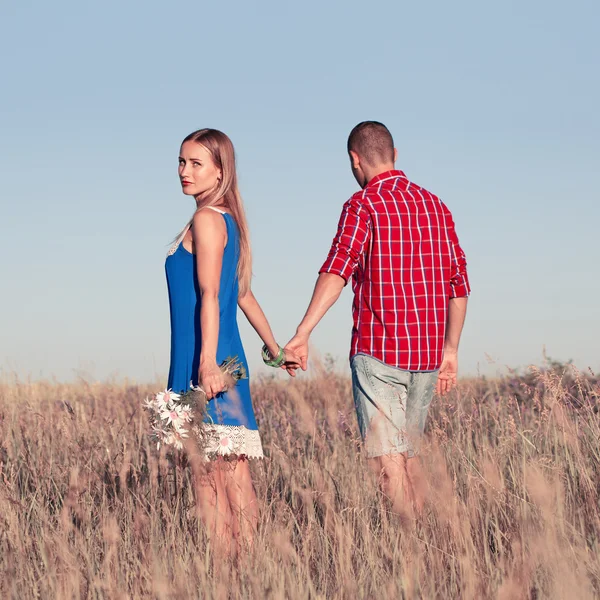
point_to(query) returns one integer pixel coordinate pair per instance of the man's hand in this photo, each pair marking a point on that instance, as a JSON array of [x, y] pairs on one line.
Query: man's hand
[[448, 371], [297, 348], [291, 361]]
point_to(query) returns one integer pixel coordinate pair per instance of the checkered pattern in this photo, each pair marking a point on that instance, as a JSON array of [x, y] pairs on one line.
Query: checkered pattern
[[398, 242]]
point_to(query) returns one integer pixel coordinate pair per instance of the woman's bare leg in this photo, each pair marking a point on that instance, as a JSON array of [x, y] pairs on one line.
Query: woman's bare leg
[[212, 504], [242, 501]]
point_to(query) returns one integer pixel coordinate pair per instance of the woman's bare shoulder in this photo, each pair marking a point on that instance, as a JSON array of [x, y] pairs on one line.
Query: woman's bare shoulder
[[208, 225]]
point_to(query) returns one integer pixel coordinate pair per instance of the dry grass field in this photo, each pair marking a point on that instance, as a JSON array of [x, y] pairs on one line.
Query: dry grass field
[[88, 509]]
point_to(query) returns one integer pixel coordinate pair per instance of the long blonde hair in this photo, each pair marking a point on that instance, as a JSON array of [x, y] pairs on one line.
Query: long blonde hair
[[227, 194]]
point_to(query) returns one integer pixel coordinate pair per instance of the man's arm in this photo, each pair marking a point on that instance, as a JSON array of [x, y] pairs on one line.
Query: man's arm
[[459, 279], [354, 229], [327, 290], [457, 310]]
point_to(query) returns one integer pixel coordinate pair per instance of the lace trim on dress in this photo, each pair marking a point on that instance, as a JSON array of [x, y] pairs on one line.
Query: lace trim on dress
[[229, 440], [173, 248], [178, 241]]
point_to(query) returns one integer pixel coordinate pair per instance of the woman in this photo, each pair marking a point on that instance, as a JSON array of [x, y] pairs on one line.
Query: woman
[[208, 274]]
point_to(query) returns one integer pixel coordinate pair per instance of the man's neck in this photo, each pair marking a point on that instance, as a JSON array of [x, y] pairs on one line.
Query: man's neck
[[372, 172]]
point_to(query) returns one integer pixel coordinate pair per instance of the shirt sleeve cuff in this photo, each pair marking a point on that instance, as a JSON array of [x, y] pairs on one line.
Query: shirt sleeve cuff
[[460, 290], [344, 271]]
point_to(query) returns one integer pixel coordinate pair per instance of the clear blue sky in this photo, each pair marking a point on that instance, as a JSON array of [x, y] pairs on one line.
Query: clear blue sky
[[494, 107]]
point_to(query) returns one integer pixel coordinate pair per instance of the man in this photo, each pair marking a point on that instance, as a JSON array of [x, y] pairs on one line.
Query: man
[[397, 241]]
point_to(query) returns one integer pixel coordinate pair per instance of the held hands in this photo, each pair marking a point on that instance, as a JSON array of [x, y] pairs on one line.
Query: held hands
[[448, 371], [292, 362], [297, 348], [211, 378], [286, 359]]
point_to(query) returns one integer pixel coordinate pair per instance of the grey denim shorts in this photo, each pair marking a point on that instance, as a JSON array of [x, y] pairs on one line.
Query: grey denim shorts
[[391, 405]]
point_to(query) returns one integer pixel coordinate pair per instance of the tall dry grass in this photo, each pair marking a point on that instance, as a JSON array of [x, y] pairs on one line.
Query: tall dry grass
[[88, 510]]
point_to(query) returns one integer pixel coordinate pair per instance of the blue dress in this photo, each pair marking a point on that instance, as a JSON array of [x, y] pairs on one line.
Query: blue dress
[[230, 426]]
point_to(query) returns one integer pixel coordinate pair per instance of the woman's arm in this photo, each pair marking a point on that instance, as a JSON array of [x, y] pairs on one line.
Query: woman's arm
[[256, 317], [209, 234]]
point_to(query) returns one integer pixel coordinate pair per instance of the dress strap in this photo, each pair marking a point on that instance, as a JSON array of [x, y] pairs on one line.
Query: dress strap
[[222, 212]]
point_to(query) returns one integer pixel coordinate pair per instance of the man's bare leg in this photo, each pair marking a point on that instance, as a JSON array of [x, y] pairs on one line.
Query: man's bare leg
[[401, 480], [417, 482]]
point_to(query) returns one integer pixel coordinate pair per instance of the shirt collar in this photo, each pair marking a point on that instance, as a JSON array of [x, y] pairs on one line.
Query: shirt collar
[[385, 175]]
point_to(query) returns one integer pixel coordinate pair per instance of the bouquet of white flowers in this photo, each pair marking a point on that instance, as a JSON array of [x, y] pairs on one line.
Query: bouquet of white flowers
[[172, 415]]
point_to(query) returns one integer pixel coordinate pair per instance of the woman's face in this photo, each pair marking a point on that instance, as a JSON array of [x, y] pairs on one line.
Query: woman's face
[[197, 171]]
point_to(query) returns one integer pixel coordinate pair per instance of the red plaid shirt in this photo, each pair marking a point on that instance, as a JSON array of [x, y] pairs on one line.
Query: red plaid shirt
[[398, 242]]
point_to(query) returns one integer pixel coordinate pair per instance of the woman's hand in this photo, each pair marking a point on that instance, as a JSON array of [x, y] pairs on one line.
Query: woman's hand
[[273, 350], [211, 378]]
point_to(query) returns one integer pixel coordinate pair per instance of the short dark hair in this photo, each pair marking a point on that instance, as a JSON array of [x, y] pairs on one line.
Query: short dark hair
[[373, 142]]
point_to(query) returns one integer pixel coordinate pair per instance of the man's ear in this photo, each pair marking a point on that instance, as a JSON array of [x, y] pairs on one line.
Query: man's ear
[[395, 155], [354, 159]]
